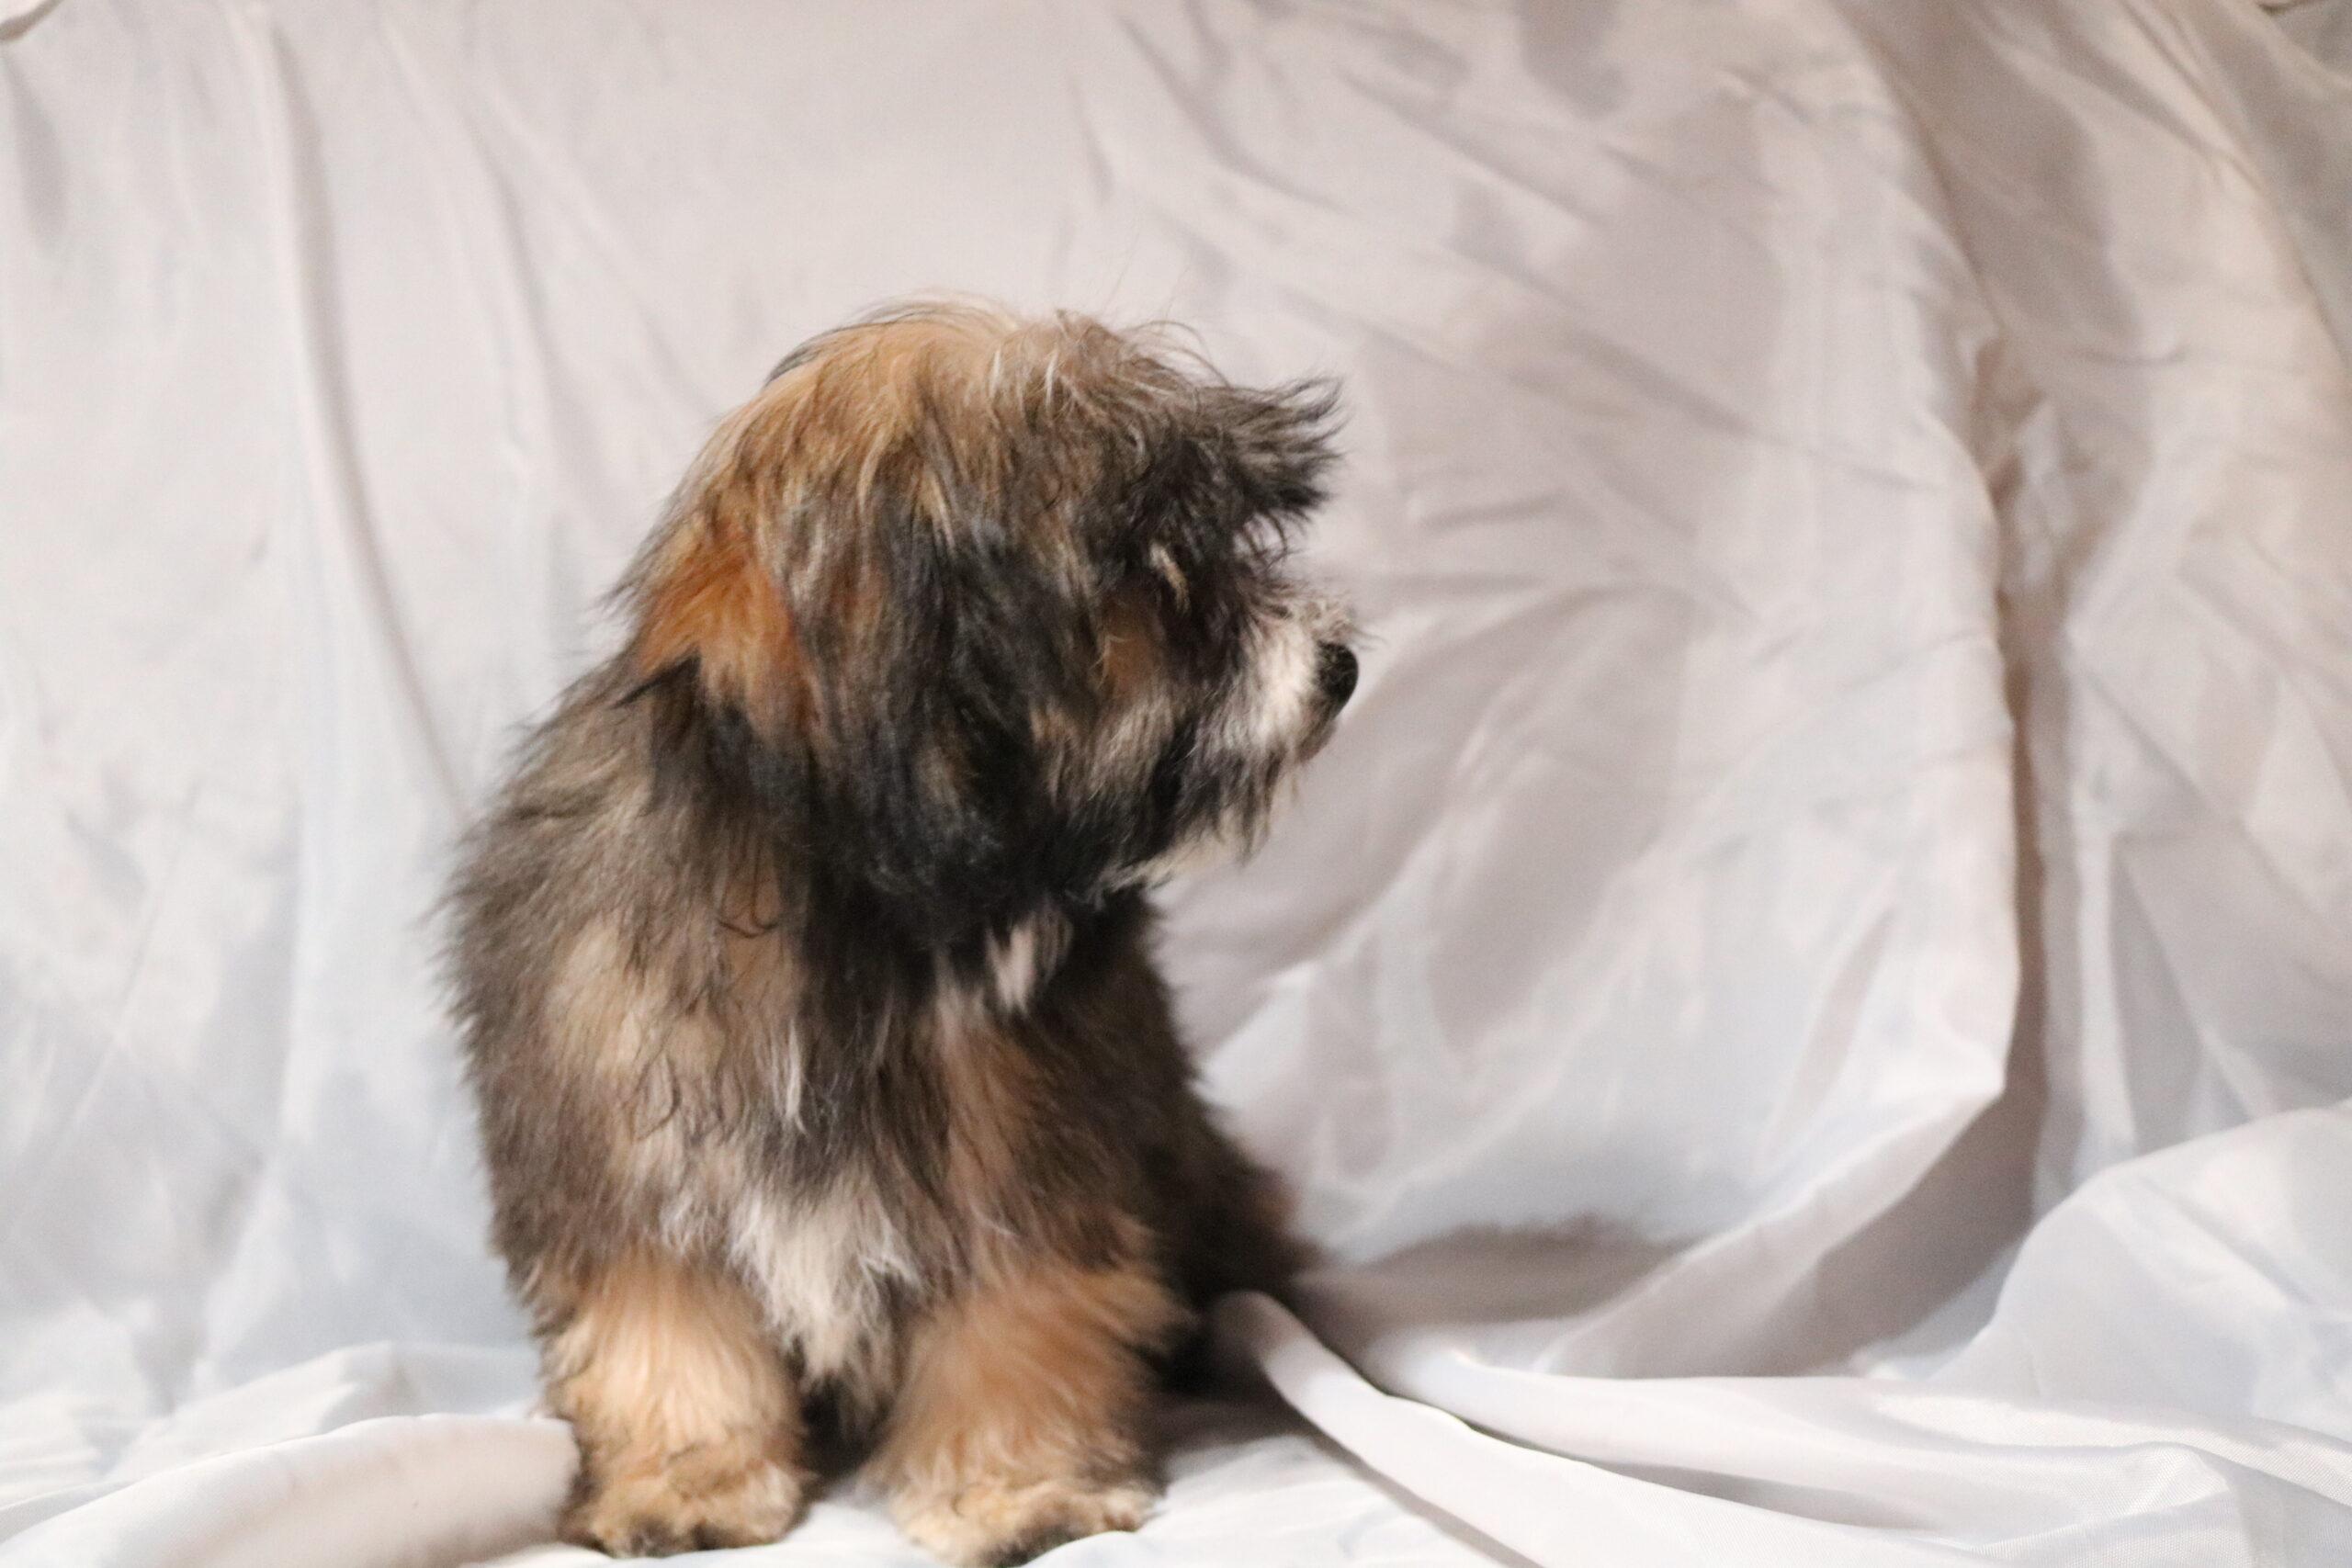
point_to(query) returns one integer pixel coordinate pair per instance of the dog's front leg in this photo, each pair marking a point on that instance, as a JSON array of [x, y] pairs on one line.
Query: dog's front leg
[[1016, 1427], [688, 1424]]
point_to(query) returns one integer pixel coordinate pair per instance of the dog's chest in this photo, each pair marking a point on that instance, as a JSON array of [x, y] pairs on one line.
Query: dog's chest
[[829, 1267], [831, 1254], [840, 1194]]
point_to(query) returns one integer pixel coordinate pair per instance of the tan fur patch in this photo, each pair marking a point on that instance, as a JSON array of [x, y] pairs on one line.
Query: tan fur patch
[[1014, 1426], [601, 1006], [1131, 652], [824, 1266], [712, 600], [621, 1035], [992, 1522], [827, 435], [988, 1087], [857, 408], [688, 1426]]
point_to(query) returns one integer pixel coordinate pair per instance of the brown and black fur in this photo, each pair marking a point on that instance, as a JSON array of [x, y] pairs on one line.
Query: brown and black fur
[[804, 963]]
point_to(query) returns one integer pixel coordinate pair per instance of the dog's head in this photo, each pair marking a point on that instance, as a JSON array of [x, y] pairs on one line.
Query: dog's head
[[988, 613]]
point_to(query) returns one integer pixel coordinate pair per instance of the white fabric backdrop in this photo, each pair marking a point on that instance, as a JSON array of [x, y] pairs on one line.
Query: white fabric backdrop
[[1808, 1002]]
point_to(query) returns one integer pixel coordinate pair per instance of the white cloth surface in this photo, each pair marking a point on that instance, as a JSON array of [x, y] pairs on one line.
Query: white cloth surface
[[1808, 1003]]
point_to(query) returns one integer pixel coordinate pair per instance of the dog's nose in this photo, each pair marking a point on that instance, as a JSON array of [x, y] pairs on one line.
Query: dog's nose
[[1335, 672]]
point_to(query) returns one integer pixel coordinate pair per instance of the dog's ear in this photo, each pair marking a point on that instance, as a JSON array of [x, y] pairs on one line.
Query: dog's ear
[[940, 722], [874, 696], [1278, 439], [704, 597], [1228, 471]]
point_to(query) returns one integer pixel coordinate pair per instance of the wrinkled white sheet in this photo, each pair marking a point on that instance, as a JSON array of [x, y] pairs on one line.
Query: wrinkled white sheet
[[1808, 1002]]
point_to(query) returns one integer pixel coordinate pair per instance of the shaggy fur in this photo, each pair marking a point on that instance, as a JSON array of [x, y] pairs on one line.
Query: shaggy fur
[[803, 963]]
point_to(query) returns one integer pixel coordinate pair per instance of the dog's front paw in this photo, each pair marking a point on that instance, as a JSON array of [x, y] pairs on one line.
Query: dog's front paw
[[993, 1524], [694, 1502]]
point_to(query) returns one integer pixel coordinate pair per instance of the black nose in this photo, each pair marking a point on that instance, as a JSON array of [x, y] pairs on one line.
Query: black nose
[[1335, 672]]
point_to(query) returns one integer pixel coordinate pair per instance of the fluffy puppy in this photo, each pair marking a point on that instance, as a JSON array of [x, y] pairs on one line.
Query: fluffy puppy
[[804, 963]]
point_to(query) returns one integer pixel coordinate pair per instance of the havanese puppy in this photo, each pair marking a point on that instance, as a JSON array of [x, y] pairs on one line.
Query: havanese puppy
[[804, 963]]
